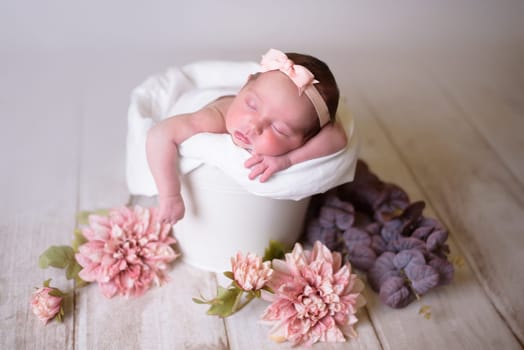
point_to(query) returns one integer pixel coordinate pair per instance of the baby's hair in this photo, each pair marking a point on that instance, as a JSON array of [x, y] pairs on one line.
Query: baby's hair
[[327, 85]]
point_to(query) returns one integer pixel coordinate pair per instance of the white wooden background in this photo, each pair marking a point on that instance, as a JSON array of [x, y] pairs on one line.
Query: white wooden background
[[443, 118]]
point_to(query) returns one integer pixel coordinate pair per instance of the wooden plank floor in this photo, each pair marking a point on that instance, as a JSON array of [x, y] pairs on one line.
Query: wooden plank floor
[[449, 132]]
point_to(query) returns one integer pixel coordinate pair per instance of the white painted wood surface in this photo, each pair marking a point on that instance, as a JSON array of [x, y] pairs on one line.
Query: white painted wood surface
[[472, 190], [425, 128]]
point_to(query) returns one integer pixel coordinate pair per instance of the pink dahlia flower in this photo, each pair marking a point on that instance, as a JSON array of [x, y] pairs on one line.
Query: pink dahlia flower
[[127, 251], [45, 306], [316, 297], [250, 272]]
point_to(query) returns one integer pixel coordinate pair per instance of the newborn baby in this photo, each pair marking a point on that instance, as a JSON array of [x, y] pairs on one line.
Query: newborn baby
[[283, 115]]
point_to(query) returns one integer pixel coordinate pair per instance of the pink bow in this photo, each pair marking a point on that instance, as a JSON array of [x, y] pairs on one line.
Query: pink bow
[[277, 60]]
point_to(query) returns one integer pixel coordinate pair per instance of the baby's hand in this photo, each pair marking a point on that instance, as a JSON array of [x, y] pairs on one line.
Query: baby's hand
[[265, 166], [171, 209]]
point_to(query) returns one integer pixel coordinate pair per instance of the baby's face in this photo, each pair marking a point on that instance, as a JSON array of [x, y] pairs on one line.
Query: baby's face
[[268, 116]]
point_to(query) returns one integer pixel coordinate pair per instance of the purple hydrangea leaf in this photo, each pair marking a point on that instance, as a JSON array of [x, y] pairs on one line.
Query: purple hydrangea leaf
[[423, 277], [411, 216], [432, 222], [343, 219], [444, 268], [361, 256], [405, 243], [414, 210], [390, 202], [326, 216], [355, 236], [373, 228], [378, 244], [392, 230], [395, 293], [422, 232], [345, 213], [436, 239], [335, 202], [364, 190], [425, 227], [328, 236], [335, 217], [403, 224], [382, 269], [313, 231], [408, 257]]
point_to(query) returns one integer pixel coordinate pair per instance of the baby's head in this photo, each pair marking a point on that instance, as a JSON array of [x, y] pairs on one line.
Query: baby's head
[[279, 109]]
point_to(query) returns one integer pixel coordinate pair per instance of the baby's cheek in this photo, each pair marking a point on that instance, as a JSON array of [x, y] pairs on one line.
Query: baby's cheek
[[262, 145], [272, 146]]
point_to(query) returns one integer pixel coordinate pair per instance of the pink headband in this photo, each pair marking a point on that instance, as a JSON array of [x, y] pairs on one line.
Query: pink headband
[[301, 76]]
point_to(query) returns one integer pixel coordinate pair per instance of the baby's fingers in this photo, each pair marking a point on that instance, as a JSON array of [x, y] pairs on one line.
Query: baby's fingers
[[257, 170], [253, 161], [267, 174]]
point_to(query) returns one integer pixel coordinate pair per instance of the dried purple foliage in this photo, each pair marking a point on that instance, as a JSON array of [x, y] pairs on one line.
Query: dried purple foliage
[[395, 293], [379, 231], [369, 194], [358, 246], [333, 218]]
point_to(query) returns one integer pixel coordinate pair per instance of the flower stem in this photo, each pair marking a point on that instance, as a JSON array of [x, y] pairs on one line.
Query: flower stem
[[238, 306]]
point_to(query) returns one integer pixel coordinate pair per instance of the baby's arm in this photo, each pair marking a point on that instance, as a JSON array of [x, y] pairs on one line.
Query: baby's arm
[[162, 155], [330, 139]]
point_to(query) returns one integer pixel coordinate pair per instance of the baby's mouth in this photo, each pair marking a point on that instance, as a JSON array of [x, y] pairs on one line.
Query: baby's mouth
[[242, 138]]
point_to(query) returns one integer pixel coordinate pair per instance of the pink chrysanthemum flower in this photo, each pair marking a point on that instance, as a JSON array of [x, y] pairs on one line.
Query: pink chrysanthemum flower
[[316, 297], [250, 272], [44, 305], [127, 251]]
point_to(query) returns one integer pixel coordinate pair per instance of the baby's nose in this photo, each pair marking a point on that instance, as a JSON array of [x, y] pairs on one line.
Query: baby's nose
[[255, 127]]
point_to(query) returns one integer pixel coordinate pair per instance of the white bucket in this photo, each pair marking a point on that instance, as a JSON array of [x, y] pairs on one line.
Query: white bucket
[[222, 218]]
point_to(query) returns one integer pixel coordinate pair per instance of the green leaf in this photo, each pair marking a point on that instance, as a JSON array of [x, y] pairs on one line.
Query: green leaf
[[56, 293], [236, 304], [83, 216], [60, 315], [78, 240], [228, 298], [62, 257], [275, 250], [267, 289], [72, 270], [229, 275], [203, 300], [80, 283], [56, 256], [47, 283]]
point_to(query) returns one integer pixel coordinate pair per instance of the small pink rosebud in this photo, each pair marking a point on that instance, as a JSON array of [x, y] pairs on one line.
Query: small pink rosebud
[[250, 272], [44, 305]]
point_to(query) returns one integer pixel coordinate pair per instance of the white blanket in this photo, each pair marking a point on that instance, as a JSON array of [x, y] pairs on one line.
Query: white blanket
[[186, 89]]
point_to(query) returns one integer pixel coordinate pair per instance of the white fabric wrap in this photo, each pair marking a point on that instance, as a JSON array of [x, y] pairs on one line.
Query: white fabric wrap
[[189, 88]]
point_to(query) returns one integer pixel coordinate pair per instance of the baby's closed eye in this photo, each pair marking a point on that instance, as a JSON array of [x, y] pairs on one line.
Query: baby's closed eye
[[281, 128], [251, 104], [278, 130]]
